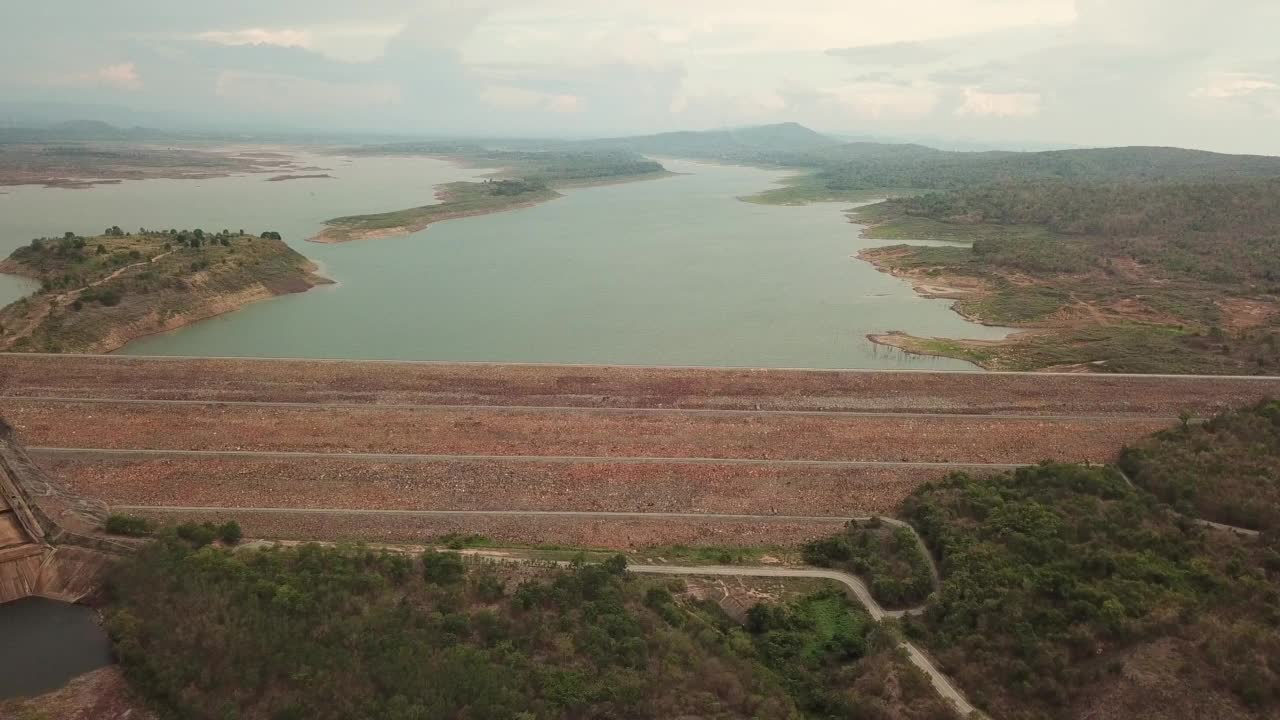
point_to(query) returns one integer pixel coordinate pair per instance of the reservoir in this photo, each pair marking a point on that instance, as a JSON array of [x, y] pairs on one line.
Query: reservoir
[[675, 271], [45, 643]]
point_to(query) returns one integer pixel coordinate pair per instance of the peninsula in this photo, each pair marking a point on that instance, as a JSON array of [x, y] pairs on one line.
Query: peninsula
[[1104, 277], [457, 200], [98, 293], [527, 178]]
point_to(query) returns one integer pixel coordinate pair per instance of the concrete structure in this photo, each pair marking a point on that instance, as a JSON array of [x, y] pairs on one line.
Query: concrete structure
[[46, 545]]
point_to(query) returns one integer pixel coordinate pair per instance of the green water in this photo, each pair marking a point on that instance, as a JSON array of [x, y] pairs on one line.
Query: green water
[[46, 644], [674, 271]]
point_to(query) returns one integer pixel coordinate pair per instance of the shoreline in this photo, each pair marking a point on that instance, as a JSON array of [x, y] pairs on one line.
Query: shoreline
[[142, 314], [942, 287], [187, 319]]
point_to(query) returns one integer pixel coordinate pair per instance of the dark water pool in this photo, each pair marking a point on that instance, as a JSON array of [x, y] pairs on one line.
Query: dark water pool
[[45, 643]]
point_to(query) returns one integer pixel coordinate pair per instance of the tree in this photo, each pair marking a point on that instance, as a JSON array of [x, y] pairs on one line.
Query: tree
[[229, 532], [442, 568]]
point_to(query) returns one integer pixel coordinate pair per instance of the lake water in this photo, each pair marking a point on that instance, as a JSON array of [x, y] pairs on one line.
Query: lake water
[[674, 271], [44, 644]]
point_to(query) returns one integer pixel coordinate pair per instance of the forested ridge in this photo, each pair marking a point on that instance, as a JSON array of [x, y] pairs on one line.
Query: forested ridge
[[1067, 593], [1226, 469], [320, 632], [98, 292], [1217, 232], [1132, 276]]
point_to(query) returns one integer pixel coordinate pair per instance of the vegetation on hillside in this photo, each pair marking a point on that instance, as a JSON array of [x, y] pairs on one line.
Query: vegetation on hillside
[[855, 170], [1130, 277], [1068, 593], [1226, 469], [313, 632], [96, 293], [888, 557]]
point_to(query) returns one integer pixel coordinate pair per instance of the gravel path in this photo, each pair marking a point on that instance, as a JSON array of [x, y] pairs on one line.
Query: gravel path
[[311, 381], [940, 681], [952, 439], [464, 484]]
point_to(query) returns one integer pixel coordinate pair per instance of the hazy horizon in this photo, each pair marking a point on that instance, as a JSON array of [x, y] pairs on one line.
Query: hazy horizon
[[986, 73]]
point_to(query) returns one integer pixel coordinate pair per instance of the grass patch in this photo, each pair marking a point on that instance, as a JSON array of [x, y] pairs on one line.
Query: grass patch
[[1015, 304], [712, 554], [909, 227]]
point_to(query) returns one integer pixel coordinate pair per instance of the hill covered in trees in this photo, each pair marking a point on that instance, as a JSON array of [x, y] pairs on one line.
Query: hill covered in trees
[[868, 166], [1226, 469], [1120, 276], [1068, 593], [97, 293], [323, 633]]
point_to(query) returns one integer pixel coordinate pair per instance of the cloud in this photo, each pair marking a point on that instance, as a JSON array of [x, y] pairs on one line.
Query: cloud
[[112, 76], [712, 109], [121, 75], [564, 104], [863, 101], [506, 97], [991, 104], [1236, 85], [891, 54], [1181, 72], [273, 92], [259, 36], [1253, 93]]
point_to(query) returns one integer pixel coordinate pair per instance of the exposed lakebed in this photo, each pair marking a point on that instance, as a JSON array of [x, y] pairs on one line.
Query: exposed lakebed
[[675, 271]]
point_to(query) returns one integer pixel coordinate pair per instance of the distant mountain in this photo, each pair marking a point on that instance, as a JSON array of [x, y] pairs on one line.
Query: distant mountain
[[956, 144], [841, 165], [872, 165], [741, 144], [77, 131]]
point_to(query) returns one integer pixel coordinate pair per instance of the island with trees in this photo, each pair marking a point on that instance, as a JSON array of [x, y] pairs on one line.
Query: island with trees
[[527, 178], [99, 292]]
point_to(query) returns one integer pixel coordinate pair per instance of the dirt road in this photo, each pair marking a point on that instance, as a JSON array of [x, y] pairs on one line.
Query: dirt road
[[940, 681], [372, 382]]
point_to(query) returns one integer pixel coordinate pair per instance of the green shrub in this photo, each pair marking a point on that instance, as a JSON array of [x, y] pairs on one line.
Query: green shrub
[[442, 568], [229, 532], [128, 525], [198, 534]]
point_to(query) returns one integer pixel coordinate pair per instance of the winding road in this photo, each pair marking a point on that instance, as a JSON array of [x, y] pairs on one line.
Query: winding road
[[940, 681]]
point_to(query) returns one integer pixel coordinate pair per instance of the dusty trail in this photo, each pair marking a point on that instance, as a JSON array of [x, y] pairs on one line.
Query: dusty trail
[[709, 412], [950, 439], [480, 384], [941, 683], [417, 483]]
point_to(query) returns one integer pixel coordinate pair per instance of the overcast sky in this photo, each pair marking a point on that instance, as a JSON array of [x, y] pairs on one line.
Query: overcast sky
[[1193, 73]]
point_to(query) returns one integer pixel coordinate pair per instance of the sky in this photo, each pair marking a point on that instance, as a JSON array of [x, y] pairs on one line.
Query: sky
[[1190, 73]]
